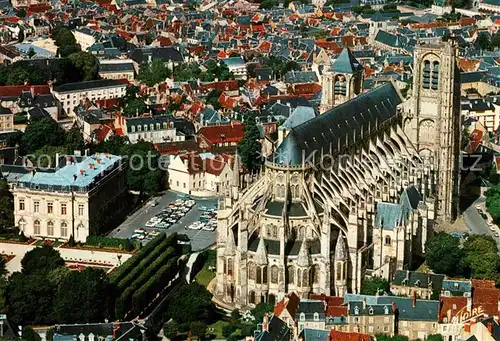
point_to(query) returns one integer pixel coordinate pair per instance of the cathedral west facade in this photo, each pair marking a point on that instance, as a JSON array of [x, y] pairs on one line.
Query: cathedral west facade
[[350, 192]]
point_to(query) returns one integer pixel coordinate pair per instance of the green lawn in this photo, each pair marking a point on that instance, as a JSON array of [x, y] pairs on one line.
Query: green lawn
[[217, 329], [204, 276]]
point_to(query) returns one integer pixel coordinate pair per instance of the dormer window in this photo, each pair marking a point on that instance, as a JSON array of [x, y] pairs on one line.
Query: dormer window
[[417, 283], [447, 293], [316, 317], [370, 311], [151, 127], [356, 310], [157, 126], [139, 128], [164, 125], [132, 129], [145, 127], [302, 317], [386, 310]]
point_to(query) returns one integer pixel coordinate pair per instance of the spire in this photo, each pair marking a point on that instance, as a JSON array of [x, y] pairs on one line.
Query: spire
[[261, 252], [230, 244], [236, 171], [303, 258], [346, 63], [340, 248]]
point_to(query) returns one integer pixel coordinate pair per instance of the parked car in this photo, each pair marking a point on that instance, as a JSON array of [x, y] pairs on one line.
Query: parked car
[[140, 230], [182, 239]]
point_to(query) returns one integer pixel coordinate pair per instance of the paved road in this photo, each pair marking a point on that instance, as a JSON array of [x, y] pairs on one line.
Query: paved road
[[475, 223], [200, 239]]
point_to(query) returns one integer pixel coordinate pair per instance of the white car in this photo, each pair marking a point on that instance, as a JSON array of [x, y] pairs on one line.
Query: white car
[[138, 236], [478, 207], [151, 223]]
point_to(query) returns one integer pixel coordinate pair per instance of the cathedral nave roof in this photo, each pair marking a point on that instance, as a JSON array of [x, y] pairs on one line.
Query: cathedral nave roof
[[337, 128]]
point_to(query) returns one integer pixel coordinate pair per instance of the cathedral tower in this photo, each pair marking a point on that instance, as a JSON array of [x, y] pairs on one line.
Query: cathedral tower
[[342, 82], [433, 119]]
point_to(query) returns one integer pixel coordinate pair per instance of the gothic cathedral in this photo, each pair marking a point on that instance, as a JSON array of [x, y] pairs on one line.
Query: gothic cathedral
[[349, 193]]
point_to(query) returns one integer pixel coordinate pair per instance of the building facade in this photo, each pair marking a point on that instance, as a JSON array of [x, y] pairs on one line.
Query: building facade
[[76, 199], [307, 224]]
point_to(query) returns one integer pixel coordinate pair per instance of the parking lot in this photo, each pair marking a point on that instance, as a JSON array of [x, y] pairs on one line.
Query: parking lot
[[477, 224], [200, 239]]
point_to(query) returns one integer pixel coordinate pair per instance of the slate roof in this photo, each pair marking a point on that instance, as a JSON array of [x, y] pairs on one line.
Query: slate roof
[[346, 63], [457, 287], [277, 331], [309, 308], [309, 334], [424, 310], [87, 85], [116, 67], [337, 128], [165, 54], [417, 279], [293, 77], [299, 115]]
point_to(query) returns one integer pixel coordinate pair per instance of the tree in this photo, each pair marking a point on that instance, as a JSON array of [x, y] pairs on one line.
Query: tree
[[267, 4], [30, 335], [213, 98], [63, 36], [6, 206], [260, 310], [493, 201], [434, 337], [86, 290], [374, 285], [153, 73], [135, 107], [249, 148], [86, 65], [56, 275], [3, 266], [41, 260], [443, 254], [171, 329], [198, 328], [30, 298], [141, 176], [71, 241], [42, 132], [483, 41], [192, 302], [74, 140], [235, 315], [228, 329], [481, 257]]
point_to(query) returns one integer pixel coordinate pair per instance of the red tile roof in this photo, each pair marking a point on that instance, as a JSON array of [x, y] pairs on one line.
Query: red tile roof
[[16, 90], [487, 299], [231, 133], [482, 283], [336, 335], [453, 304], [290, 303], [222, 85], [177, 147]]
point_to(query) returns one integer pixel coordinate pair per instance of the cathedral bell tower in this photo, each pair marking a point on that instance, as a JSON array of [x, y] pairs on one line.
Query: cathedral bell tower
[[432, 120], [342, 82]]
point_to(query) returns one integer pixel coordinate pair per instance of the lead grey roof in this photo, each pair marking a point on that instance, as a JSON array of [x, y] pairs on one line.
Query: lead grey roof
[[346, 63], [337, 128]]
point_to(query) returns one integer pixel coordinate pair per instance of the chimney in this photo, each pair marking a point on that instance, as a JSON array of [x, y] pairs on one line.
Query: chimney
[[116, 326], [394, 307], [91, 165], [364, 303], [98, 161], [265, 322], [490, 327], [57, 160], [469, 304], [82, 172], [414, 299], [32, 90]]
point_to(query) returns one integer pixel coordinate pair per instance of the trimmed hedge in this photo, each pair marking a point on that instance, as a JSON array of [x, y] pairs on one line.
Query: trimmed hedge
[[125, 300], [145, 262], [155, 285], [123, 243], [133, 261]]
